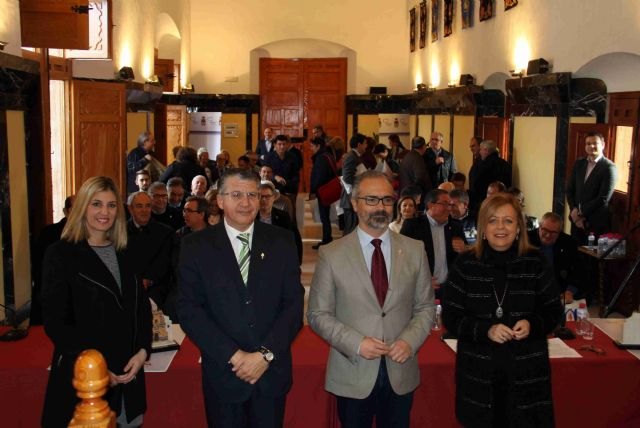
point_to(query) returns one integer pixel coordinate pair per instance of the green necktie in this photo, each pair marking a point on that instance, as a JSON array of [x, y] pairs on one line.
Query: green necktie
[[243, 258]]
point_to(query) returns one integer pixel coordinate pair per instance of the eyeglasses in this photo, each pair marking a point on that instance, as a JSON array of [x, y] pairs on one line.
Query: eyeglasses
[[238, 196], [189, 211], [594, 349], [444, 204], [549, 232], [387, 201], [157, 196], [265, 197]]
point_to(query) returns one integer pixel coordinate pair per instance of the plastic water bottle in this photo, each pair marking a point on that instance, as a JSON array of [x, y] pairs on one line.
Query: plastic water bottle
[[437, 325], [582, 317], [603, 244], [591, 241]]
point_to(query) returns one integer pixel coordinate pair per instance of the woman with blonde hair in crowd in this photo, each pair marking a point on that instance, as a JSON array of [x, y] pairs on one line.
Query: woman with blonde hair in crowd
[[501, 302], [92, 300], [407, 208]]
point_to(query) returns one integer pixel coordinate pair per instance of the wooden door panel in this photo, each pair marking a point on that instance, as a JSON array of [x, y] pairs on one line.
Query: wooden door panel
[[53, 24], [298, 94], [98, 144], [164, 69], [496, 129]]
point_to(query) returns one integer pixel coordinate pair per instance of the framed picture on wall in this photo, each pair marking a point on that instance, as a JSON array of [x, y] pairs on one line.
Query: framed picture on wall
[[508, 4], [467, 13], [423, 24], [448, 17], [412, 29], [486, 10], [435, 7]]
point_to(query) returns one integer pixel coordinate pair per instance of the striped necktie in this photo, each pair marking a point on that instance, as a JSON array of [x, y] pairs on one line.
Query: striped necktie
[[243, 257]]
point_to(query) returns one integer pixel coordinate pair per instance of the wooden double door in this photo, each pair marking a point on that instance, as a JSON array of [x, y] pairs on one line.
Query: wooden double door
[[297, 94]]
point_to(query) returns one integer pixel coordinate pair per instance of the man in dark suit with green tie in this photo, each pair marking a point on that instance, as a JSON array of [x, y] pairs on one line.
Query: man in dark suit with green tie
[[241, 304]]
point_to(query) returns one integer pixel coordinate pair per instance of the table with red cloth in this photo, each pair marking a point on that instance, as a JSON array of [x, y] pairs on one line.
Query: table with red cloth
[[593, 391]]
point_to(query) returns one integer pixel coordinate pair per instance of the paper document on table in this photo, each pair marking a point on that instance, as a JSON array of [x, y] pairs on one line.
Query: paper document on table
[[557, 348]]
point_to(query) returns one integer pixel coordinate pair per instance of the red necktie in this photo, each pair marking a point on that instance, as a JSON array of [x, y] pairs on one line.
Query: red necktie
[[379, 272]]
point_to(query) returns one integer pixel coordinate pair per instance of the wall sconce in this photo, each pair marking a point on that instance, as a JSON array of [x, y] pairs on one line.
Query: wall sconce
[[451, 84], [188, 88], [153, 80], [431, 88], [516, 73], [126, 73], [467, 80], [421, 87], [537, 66], [2, 45]]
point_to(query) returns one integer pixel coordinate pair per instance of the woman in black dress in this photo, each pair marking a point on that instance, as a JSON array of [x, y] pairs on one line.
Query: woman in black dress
[[91, 300], [501, 302]]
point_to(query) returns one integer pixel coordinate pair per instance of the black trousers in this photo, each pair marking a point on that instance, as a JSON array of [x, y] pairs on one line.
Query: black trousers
[[390, 409], [325, 218], [256, 412], [350, 221]]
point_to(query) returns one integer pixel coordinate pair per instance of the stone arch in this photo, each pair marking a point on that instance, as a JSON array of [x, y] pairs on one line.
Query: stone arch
[[496, 81], [168, 39], [620, 71], [301, 48]]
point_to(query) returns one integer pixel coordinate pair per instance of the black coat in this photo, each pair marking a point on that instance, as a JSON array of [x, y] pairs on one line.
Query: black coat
[[83, 308], [185, 170], [150, 252], [593, 195], [469, 306], [221, 315], [565, 256], [438, 174], [420, 229], [282, 219], [492, 168]]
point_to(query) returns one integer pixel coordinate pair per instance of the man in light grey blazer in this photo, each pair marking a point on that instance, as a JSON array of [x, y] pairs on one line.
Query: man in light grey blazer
[[372, 301]]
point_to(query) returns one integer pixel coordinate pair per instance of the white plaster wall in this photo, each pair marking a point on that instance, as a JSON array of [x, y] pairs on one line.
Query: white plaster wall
[[134, 36], [567, 33], [223, 33], [10, 26]]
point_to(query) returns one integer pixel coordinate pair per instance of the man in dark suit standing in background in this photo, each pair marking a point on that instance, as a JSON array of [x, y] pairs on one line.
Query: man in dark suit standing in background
[[443, 239], [241, 303], [440, 163], [265, 145], [589, 190], [413, 169], [350, 169]]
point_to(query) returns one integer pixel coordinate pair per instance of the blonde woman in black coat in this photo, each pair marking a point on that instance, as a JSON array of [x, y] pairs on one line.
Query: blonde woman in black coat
[[91, 300], [501, 302]]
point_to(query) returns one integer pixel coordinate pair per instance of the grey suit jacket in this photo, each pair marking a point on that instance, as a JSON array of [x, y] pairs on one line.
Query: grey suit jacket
[[343, 309]]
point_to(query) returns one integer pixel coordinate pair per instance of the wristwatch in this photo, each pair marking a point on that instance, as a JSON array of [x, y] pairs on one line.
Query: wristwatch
[[266, 354]]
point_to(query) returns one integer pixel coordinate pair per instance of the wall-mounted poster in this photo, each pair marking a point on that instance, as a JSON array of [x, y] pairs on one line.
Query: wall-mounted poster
[[486, 9], [448, 17], [467, 13], [423, 24], [435, 6], [508, 4], [412, 29]]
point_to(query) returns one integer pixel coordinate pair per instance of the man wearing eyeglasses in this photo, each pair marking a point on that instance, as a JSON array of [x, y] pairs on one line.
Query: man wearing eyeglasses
[[271, 215], [561, 251], [370, 300], [241, 303], [161, 211], [443, 239]]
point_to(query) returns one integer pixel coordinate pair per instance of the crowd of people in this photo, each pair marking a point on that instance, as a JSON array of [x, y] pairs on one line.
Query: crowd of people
[[209, 257]]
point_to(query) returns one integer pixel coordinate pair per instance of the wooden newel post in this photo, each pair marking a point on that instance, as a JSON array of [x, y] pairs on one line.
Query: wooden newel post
[[91, 380]]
